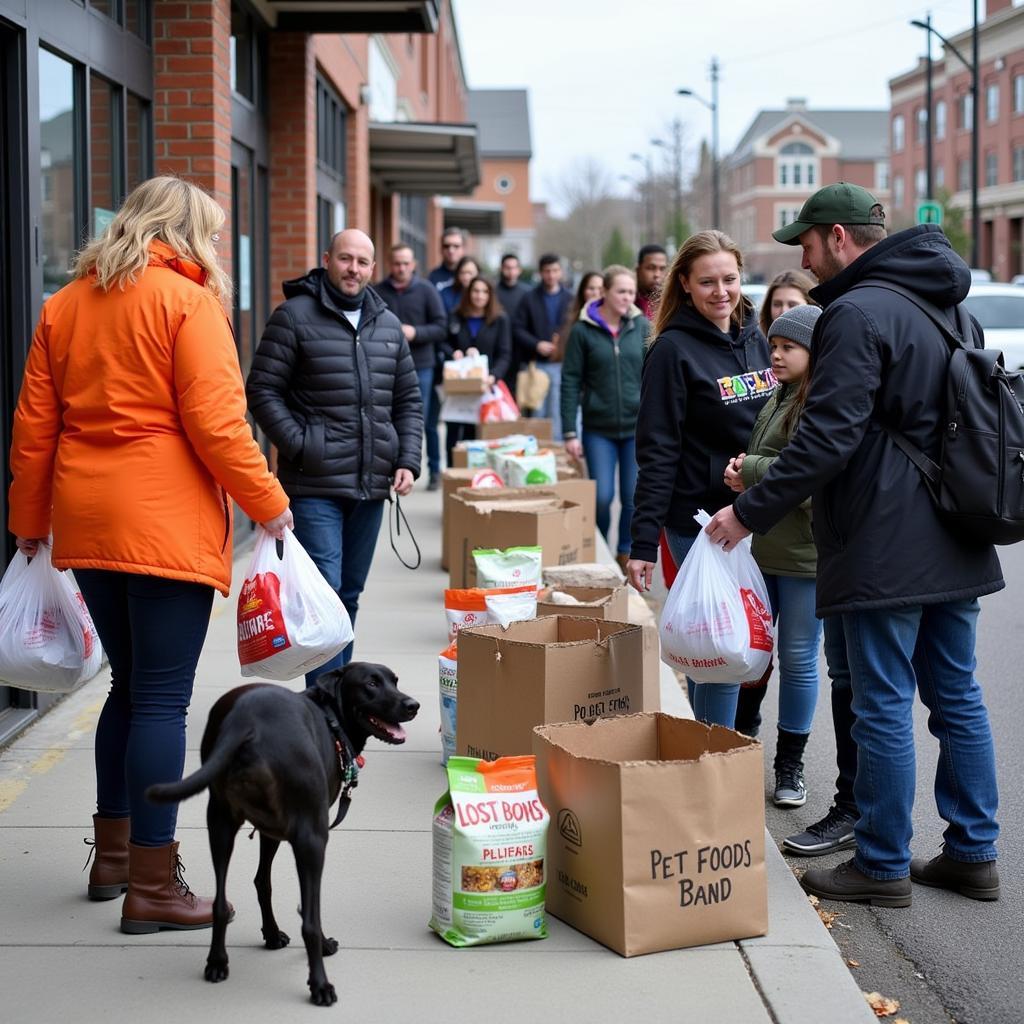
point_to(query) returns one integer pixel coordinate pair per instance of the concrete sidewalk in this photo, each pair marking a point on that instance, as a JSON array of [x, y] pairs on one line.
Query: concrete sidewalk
[[65, 959]]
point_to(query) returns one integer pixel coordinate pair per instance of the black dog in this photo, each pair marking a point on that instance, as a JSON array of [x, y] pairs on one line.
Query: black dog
[[280, 759]]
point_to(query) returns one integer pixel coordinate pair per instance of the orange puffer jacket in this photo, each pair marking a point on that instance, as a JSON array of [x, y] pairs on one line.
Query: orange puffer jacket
[[130, 432]]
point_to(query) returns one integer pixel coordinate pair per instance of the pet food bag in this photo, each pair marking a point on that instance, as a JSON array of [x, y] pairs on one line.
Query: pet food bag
[[490, 836], [48, 642], [514, 605], [290, 621], [448, 693], [530, 470], [471, 606], [513, 567], [717, 624]]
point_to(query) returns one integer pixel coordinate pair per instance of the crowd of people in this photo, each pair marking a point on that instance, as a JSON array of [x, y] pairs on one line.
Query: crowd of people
[[131, 440]]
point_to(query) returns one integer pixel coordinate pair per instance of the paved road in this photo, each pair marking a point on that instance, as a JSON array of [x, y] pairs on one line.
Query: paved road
[[946, 958]]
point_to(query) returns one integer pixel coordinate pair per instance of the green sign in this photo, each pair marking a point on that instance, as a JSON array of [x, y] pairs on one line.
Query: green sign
[[929, 213]]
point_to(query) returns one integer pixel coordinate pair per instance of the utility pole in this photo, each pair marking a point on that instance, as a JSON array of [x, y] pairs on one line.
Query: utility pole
[[928, 161], [716, 207], [975, 146]]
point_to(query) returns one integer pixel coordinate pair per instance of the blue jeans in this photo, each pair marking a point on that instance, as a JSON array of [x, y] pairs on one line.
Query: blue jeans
[[604, 455], [714, 703], [431, 413], [153, 630], [340, 535], [796, 649], [892, 653]]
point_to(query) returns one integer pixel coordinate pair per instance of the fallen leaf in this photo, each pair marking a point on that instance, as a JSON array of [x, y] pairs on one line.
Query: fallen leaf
[[882, 1006], [828, 917], [901, 1020], [856, 963], [813, 900]]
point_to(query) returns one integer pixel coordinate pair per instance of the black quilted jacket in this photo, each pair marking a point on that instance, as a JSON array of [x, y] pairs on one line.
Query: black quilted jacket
[[342, 405]]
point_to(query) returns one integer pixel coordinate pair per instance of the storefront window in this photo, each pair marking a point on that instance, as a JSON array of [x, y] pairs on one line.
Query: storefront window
[[105, 185], [138, 151], [136, 17], [59, 158]]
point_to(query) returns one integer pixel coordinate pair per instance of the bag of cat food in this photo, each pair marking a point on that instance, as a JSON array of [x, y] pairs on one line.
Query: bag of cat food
[[522, 470], [469, 606], [448, 687], [490, 834], [513, 567]]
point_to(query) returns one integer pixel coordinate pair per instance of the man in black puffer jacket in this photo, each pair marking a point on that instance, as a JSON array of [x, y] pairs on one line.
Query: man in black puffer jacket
[[905, 586], [333, 386]]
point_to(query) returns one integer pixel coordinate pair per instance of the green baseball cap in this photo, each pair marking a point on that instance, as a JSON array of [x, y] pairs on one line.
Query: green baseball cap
[[841, 203]]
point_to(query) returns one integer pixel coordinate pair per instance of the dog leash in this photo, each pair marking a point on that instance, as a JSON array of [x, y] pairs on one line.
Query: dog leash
[[348, 764], [397, 532]]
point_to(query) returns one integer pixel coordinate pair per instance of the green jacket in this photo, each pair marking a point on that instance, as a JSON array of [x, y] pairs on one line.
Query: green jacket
[[603, 373], [787, 549]]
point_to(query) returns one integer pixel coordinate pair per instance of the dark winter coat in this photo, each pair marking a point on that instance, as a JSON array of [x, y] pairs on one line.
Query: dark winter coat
[[342, 405], [419, 305], [510, 296], [493, 340], [700, 394], [604, 373], [787, 549], [531, 323], [877, 359]]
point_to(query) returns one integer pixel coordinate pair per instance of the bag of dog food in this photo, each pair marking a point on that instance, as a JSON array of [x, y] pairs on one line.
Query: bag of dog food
[[48, 642], [513, 567], [490, 834], [470, 606], [717, 623], [448, 690], [507, 606], [521, 470], [290, 620]]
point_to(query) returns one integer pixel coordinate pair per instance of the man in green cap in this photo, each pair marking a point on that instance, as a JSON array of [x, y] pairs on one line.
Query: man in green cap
[[905, 587]]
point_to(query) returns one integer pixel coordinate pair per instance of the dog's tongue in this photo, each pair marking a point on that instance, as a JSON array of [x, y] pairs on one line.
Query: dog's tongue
[[395, 731]]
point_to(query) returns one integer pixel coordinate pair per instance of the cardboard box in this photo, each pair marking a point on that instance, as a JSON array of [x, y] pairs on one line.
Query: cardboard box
[[464, 385], [555, 669], [608, 603], [582, 493], [541, 429], [460, 456], [505, 521], [657, 831]]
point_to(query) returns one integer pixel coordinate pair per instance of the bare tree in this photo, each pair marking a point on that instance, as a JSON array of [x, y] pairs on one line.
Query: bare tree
[[592, 211]]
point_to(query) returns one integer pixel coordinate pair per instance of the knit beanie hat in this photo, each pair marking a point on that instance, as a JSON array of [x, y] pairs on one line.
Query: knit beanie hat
[[796, 324]]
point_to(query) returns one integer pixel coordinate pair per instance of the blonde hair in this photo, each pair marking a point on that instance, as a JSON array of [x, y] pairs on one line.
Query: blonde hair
[[170, 209], [613, 271], [674, 296]]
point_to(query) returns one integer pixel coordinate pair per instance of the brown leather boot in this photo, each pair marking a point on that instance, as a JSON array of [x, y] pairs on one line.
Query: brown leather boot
[[158, 896], [109, 875]]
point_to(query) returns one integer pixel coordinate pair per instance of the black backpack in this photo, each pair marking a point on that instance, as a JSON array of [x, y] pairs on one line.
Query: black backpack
[[978, 482]]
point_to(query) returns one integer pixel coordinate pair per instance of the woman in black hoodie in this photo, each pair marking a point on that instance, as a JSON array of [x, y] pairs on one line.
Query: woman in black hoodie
[[706, 375]]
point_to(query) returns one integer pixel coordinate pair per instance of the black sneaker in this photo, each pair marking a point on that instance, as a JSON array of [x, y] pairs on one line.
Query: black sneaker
[[790, 789], [434, 482], [834, 832]]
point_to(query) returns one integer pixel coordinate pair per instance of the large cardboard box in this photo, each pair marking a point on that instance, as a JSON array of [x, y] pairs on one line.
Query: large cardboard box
[[547, 521], [609, 603], [540, 428], [585, 496], [555, 669], [657, 831]]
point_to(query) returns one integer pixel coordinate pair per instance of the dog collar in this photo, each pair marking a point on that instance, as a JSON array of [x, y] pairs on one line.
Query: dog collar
[[349, 763]]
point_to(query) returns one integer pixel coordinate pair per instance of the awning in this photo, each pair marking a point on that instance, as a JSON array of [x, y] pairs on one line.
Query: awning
[[476, 218], [351, 15], [420, 158]]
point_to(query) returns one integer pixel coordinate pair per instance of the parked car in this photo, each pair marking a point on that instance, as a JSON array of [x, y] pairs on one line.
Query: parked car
[[979, 275], [755, 292], [999, 308]]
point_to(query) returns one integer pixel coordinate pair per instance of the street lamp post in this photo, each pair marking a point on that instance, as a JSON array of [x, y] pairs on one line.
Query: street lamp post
[[677, 177], [645, 161], [712, 105], [973, 68]]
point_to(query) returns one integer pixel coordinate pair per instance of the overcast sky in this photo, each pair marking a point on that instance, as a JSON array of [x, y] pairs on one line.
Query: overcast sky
[[602, 74]]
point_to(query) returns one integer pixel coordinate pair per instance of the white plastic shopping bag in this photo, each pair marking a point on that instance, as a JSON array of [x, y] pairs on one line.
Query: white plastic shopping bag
[[47, 639], [717, 624], [290, 621]]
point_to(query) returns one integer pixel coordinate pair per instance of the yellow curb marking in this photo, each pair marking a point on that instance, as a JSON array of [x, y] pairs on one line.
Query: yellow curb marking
[[10, 790], [52, 757]]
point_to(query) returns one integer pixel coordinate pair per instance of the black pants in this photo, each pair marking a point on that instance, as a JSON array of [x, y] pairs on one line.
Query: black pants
[[456, 432]]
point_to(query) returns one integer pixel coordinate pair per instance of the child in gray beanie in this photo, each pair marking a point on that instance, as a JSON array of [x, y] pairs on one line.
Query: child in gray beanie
[[786, 554]]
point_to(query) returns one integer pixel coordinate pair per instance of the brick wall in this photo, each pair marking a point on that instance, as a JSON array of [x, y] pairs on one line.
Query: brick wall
[[293, 242], [192, 98]]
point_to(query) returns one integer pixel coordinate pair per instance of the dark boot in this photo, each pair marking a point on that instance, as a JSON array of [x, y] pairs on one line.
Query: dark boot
[[978, 880], [848, 883], [158, 896], [748, 709], [109, 875], [790, 790]]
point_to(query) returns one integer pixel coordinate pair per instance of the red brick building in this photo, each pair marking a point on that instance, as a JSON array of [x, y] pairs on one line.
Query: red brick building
[[299, 117], [783, 157], [1001, 136]]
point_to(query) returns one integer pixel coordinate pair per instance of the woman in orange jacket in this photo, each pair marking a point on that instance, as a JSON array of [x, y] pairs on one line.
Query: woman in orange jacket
[[130, 438]]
